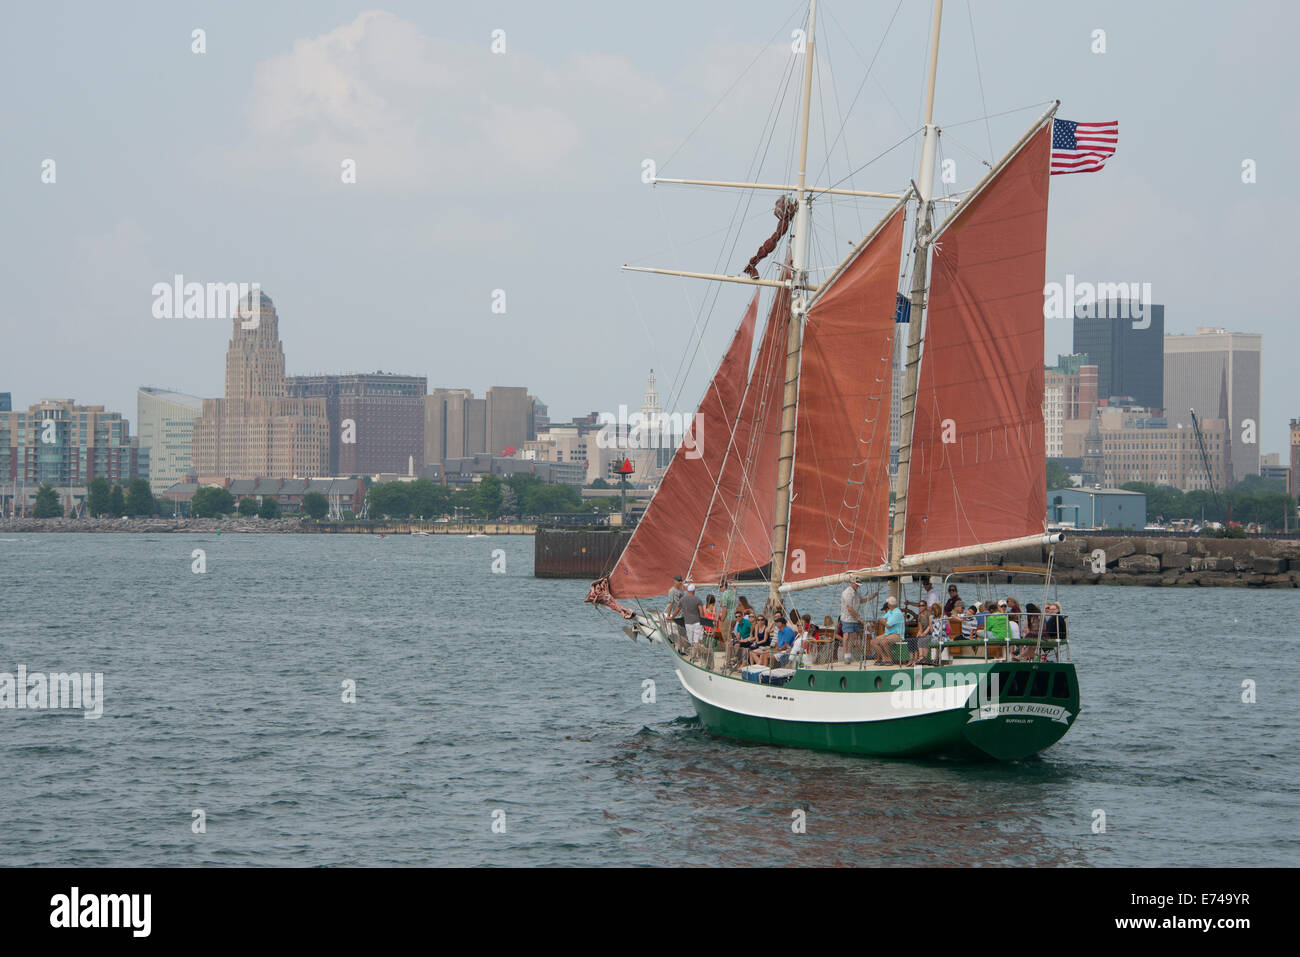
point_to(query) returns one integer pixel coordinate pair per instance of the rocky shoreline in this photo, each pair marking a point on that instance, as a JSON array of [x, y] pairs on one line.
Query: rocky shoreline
[[254, 525], [1231, 562]]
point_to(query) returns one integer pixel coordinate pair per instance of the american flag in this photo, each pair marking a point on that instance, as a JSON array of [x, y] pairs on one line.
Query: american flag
[[1082, 147]]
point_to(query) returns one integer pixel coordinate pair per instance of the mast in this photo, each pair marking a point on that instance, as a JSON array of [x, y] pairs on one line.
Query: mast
[[924, 216], [794, 339]]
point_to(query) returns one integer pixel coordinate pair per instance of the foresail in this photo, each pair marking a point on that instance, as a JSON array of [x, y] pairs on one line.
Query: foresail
[[978, 452], [665, 540], [737, 535], [839, 514]]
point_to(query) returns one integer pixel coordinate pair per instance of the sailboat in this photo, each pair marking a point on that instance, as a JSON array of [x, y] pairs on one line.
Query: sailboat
[[798, 487]]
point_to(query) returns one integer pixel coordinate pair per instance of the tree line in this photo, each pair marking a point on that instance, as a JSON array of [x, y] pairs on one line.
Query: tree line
[[491, 499], [136, 500], [1253, 500]]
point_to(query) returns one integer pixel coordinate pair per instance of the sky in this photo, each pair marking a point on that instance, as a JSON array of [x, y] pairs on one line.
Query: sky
[[513, 177]]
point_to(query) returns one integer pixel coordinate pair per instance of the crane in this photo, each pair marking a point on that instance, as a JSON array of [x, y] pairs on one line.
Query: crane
[[1205, 460]]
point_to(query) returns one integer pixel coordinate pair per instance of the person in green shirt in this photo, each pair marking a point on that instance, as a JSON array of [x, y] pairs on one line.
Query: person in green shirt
[[726, 606]]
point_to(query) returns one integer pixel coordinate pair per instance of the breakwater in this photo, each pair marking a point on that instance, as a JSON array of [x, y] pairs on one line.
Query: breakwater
[[1110, 559], [1082, 559]]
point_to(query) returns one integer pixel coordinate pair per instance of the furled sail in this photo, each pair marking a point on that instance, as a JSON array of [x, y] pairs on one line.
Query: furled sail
[[839, 513], [737, 536], [666, 539], [978, 450]]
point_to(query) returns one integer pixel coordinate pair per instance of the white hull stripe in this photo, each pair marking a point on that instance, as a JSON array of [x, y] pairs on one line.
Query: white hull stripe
[[828, 707]]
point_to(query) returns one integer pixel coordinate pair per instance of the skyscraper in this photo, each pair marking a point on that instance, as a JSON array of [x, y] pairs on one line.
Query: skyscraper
[[509, 418], [1126, 351], [257, 430], [165, 421], [455, 425], [376, 420], [1217, 373]]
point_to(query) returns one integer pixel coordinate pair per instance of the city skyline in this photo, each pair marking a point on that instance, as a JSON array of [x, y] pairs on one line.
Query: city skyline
[[518, 172]]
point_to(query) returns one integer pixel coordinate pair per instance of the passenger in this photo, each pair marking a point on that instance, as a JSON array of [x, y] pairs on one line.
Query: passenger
[[1053, 622], [927, 592], [760, 653], [954, 601], [781, 647], [674, 610], [691, 616], [710, 616], [727, 607], [765, 655], [805, 643], [971, 623], [924, 633], [1016, 615], [740, 643], [851, 624], [995, 623], [1033, 631], [894, 621], [931, 596], [1033, 621]]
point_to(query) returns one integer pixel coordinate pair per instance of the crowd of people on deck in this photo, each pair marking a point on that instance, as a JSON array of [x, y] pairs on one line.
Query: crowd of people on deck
[[774, 639]]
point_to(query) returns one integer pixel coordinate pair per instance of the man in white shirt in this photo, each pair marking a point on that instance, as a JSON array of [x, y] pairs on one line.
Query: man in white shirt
[[850, 619]]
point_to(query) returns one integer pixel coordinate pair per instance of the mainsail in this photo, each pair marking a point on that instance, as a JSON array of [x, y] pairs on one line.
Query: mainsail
[[737, 535], [978, 450], [839, 512], [667, 540]]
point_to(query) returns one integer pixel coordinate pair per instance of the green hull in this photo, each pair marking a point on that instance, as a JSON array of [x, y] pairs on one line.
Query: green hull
[[1036, 704]]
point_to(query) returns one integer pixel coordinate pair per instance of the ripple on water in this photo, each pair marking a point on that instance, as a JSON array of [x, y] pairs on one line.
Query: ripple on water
[[223, 692]]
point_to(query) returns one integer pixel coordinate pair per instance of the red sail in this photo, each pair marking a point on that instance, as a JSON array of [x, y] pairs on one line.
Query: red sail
[[664, 542], [978, 451], [839, 515], [737, 536]]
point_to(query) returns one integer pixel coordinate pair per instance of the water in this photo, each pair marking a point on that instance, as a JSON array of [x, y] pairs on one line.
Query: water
[[480, 693]]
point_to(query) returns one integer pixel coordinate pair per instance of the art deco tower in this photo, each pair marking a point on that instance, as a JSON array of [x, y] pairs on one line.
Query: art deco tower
[[256, 431]]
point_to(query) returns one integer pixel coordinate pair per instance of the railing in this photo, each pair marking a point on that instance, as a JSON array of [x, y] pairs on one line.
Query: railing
[[715, 654]]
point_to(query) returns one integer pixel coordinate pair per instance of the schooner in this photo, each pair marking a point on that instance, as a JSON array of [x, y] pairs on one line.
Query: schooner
[[795, 486]]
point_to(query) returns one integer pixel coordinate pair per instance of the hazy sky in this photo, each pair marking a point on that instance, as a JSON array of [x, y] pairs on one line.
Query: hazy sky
[[521, 171]]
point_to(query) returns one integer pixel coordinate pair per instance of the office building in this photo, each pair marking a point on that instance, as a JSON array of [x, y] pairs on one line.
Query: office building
[[376, 420], [1069, 395], [1135, 445], [509, 418], [258, 429], [1217, 373], [165, 422], [455, 425], [1125, 348]]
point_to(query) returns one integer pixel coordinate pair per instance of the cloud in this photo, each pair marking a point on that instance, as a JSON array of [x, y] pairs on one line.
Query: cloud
[[422, 112]]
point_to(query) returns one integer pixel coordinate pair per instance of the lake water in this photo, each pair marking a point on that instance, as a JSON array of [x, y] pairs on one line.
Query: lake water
[[487, 698]]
